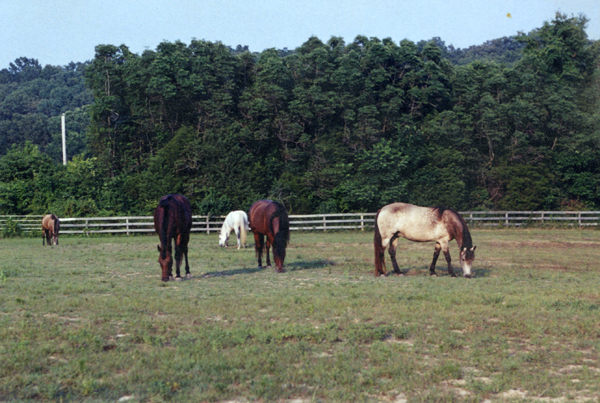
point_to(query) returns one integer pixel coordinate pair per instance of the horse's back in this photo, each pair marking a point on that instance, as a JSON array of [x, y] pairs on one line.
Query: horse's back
[[415, 223], [179, 211], [237, 217], [262, 212], [48, 221]]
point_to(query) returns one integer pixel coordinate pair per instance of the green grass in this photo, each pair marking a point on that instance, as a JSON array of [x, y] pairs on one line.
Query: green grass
[[90, 321]]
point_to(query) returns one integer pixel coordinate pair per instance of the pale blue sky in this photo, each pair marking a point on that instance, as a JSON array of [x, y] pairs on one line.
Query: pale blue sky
[[60, 31]]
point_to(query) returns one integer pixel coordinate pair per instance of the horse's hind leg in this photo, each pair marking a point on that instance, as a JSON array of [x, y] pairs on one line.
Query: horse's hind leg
[[436, 254], [392, 252], [184, 249], [268, 250], [238, 236]]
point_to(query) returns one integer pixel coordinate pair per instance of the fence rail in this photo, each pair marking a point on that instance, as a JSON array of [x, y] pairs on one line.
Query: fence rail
[[308, 222]]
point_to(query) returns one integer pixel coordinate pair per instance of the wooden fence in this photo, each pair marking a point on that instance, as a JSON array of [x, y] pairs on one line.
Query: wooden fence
[[308, 222]]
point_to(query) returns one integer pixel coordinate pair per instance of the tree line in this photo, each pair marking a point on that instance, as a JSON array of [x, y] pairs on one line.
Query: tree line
[[328, 127]]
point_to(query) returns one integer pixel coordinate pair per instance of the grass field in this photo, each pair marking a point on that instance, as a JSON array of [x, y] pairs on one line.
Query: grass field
[[90, 321]]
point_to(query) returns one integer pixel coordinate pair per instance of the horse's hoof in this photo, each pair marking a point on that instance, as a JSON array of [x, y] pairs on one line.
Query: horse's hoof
[[178, 278], [188, 276], [280, 271], [171, 278], [433, 274], [165, 279], [467, 276]]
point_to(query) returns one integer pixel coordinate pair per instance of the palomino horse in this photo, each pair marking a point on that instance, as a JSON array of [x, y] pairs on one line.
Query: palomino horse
[[270, 218], [422, 224], [235, 221], [50, 228], [173, 220]]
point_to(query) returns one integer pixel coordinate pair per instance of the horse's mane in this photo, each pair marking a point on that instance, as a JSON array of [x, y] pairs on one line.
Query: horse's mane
[[164, 226], [466, 240], [56, 224]]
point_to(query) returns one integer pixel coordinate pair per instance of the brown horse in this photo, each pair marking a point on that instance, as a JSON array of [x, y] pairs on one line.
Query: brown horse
[[422, 224], [173, 220], [270, 218], [50, 228]]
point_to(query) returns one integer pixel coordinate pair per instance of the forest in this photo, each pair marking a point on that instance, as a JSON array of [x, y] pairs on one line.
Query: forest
[[336, 126]]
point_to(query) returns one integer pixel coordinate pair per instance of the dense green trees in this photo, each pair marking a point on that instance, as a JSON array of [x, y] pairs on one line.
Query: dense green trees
[[329, 127]]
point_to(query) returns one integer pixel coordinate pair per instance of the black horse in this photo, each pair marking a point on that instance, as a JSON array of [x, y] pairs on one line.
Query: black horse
[[173, 220]]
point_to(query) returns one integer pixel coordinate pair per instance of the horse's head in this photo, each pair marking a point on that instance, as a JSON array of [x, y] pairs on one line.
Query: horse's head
[[166, 263], [467, 255], [223, 238], [55, 232]]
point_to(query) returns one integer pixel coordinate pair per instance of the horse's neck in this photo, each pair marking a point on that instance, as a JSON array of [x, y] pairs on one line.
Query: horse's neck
[[226, 229]]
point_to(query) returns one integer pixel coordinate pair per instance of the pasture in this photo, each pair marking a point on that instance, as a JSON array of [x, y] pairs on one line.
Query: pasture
[[90, 321]]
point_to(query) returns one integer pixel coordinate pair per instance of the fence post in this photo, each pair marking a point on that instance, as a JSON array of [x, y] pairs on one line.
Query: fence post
[[362, 222], [127, 225], [207, 224], [506, 218], [579, 219], [324, 223]]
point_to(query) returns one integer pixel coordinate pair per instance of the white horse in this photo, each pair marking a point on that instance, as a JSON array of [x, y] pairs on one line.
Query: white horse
[[235, 221]]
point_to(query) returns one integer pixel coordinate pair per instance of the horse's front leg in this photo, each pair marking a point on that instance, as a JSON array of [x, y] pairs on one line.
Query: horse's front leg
[[178, 256], [447, 255], [436, 254], [392, 251], [259, 240]]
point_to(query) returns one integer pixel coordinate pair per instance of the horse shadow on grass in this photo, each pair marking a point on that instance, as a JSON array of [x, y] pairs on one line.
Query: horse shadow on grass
[[424, 271], [233, 272], [309, 265], [296, 266]]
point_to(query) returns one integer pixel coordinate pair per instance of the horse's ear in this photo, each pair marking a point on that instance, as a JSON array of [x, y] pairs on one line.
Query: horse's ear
[[158, 247], [464, 249], [473, 248]]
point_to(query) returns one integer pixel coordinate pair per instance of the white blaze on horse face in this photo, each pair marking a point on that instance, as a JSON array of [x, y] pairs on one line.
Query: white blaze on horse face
[[466, 263]]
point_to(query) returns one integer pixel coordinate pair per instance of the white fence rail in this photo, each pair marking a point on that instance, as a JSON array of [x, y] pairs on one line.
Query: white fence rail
[[309, 222]]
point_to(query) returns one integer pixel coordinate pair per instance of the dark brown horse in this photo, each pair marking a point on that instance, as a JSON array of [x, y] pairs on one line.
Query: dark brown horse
[[173, 220], [422, 224], [50, 228], [269, 218]]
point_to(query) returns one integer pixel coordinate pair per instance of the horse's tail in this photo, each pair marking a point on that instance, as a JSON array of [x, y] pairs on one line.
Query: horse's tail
[[164, 226], [243, 232], [282, 237], [378, 247]]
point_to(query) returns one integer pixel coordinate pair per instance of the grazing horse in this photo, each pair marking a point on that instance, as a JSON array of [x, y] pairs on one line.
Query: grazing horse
[[421, 224], [235, 221], [173, 220], [50, 228], [270, 218]]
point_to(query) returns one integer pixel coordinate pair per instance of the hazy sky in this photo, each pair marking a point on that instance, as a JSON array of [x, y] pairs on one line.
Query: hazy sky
[[61, 31]]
